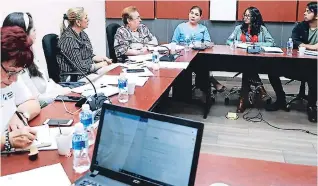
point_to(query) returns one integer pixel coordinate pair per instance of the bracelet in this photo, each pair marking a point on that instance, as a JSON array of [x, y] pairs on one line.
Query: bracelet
[[7, 144]]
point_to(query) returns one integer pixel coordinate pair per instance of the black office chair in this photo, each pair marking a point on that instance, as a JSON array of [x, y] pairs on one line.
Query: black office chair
[[49, 44], [111, 31], [301, 96]]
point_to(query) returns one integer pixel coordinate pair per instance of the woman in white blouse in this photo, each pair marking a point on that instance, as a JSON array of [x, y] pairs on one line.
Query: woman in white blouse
[[41, 86], [16, 55]]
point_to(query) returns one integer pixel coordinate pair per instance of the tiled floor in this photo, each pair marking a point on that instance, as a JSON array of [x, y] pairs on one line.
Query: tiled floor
[[239, 138]]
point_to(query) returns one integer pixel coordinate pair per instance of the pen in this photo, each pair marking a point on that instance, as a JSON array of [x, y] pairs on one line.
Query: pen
[[14, 151], [21, 119]]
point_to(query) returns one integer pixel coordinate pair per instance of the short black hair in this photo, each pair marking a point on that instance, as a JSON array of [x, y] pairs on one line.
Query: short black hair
[[312, 6], [17, 19], [197, 7]]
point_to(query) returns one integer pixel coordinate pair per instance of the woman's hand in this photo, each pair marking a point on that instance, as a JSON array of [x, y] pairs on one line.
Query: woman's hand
[[99, 59], [22, 138], [15, 123]]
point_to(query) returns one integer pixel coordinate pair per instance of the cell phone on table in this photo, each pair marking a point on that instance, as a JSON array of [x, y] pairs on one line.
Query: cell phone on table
[[68, 98], [135, 70], [56, 122]]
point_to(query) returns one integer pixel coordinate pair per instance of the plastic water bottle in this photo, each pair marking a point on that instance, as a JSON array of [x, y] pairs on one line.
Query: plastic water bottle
[[87, 119], [155, 60], [187, 43], [123, 88], [81, 161], [289, 47]]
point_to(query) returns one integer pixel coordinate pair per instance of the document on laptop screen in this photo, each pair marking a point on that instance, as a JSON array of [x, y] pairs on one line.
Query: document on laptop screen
[[153, 150]]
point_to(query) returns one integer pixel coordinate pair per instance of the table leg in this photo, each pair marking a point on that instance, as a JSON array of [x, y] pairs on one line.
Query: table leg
[[182, 88]]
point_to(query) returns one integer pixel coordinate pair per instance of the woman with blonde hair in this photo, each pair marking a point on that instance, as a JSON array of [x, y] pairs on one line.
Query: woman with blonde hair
[[75, 44]]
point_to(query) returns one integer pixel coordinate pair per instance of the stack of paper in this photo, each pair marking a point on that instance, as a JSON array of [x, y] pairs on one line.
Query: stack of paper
[[141, 57], [99, 73], [272, 50], [46, 136], [51, 175], [43, 138], [243, 45], [88, 90], [113, 80], [134, 65], [311, 52], [160, 48]]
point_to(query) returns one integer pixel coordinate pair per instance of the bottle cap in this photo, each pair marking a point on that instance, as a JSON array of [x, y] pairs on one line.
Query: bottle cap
[[79, 128], [290, 39], [85, 107]]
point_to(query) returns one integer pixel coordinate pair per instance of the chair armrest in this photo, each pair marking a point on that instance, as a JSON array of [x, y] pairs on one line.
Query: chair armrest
[[73, 75]]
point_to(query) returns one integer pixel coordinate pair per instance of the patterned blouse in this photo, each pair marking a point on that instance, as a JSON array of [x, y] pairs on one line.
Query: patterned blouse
[[78, 48], [126, 39]]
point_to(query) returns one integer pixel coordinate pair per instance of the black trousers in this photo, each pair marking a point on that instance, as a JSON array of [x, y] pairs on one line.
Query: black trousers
[[280, 93], [201, 78]]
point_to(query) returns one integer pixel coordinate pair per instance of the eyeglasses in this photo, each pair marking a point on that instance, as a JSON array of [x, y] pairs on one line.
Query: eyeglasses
[[247, 16], [12, 73]]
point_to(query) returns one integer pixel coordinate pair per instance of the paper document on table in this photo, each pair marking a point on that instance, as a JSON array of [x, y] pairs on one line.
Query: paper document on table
[[42, 137], [146, 73], [53, 133], [161, 48], [311, 52], [272, 50], [99, 73], [106, 69], [178, 47], [243, 45], [50, 175], [141, 57], [179, 65], [88, 90], [134, 65], [113, 80]]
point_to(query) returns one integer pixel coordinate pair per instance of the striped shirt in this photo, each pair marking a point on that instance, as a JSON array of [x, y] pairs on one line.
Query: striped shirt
[[78, 48], [126, 39]]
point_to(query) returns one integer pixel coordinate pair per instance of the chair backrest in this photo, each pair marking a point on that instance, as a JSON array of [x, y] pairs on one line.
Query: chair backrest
[[49, 44], [111, 31]]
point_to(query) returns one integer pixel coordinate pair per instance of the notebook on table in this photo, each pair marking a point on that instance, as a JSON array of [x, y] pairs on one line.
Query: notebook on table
[[142, 148]]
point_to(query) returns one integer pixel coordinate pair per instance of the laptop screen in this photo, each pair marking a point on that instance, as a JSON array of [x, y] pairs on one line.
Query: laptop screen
[[155, 151]]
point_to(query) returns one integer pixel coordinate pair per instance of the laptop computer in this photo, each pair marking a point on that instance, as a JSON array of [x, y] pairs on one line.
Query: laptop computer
[[135, 147]]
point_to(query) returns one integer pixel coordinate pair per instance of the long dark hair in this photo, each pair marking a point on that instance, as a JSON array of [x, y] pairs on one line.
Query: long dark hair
[[312, 6], [256, 21], [17, 19]]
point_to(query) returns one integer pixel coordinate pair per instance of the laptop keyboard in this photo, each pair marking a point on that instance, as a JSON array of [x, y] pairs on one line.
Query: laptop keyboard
[[89, 183]]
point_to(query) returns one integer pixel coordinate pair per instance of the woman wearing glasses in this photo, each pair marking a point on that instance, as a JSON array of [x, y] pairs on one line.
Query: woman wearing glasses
[[132, 38], [38, 82], [253, 31], [16, 55]]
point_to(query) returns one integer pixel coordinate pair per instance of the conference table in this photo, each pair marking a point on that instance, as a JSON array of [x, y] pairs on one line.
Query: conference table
[[223, 58], [211, 168]]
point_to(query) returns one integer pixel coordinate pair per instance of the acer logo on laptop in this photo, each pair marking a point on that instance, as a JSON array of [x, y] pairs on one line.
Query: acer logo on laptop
[[136, 181]]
